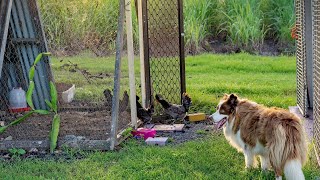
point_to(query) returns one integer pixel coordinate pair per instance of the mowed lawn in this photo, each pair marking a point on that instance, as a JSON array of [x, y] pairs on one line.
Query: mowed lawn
[[267, 80]]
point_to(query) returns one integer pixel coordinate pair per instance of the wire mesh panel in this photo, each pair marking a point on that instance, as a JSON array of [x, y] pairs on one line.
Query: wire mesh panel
[[164, 49], [24, 42], [81, 37], [301, 57], [316, 71]]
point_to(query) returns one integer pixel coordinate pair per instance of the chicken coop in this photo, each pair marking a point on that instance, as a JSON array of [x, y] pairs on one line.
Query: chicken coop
[[84, 78], [94, 71], [308, 66]]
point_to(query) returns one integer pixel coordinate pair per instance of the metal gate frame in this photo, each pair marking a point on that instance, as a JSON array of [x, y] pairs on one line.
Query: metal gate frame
[[301, 57], [316, 75], [147, 56]]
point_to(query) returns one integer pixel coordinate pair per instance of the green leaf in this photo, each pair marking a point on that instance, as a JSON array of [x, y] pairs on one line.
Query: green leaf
[[29, 94], [21, 151], [20, 119], [13, 151], [48, 103], [31, 73], [43, 112], [54, 132], [54, 97], [38, 58], [2, 129], [17, 121], [47, 54]]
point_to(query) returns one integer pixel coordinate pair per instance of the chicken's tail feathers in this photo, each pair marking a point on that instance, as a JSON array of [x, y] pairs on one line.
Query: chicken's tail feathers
[[151, 109], [163, 102], [186, 100], [158, 97]]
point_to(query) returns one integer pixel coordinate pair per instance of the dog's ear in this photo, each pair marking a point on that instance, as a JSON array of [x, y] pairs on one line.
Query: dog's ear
[[233, 100], [225, 96]]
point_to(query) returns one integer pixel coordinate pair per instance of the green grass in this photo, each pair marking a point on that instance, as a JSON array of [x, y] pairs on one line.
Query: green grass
[[267, 80], [210, 158], [92, 91]]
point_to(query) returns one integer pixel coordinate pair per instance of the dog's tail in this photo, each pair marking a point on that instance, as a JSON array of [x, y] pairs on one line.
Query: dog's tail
[[288, 149]]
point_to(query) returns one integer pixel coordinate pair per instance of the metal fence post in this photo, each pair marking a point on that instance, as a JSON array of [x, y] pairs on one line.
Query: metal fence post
[[116, 90]]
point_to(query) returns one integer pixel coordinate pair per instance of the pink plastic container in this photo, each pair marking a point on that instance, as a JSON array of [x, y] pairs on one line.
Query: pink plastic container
[[144, 132]]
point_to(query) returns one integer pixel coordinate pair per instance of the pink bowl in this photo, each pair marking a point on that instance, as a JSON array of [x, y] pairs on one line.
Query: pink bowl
[[144, 132]]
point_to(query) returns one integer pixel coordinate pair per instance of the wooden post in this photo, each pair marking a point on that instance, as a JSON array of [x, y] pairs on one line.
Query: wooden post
[[141, 47], [131, 64], [117, 71]]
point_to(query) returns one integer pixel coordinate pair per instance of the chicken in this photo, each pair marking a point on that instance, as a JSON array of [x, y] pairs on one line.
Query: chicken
[[145, 115], [108, 99], [174, 110], [123, 104]]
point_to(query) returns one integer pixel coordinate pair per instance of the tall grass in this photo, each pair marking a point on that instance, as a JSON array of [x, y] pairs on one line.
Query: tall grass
[[244, 22], [77, 25], [280, 16], [198, 22]]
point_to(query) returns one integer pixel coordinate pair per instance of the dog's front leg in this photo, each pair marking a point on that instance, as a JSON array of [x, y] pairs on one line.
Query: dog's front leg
[[249, 158], [265, 162]]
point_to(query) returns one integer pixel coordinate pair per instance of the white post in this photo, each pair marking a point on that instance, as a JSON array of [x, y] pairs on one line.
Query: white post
[[141, 47], [131, 64]]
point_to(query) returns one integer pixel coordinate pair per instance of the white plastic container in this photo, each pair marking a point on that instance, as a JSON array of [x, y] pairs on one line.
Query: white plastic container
[[17, 98]]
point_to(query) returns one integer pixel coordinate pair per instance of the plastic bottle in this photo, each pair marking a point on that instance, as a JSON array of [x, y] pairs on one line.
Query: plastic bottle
[[17, 98]]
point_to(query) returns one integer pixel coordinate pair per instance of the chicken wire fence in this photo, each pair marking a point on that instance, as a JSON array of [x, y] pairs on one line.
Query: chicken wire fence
[[316, 76], [164, 52], [82, 41], [301, 57]]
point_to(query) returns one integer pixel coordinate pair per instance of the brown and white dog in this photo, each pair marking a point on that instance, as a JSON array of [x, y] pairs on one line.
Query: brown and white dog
[[273, 134]]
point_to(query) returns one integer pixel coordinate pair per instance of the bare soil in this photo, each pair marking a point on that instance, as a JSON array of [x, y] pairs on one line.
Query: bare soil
[[94, 125]]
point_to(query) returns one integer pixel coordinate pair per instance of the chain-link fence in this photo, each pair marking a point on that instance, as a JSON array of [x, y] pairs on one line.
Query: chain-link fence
[[164, 52], [316, 76], [81, 37]]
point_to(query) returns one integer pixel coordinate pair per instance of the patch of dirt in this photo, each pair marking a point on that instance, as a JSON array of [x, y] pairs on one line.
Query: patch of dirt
[[191, 131], [94, 125]]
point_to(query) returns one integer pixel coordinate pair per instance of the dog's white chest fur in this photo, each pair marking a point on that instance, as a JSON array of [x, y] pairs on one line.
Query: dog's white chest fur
[[236, 141]]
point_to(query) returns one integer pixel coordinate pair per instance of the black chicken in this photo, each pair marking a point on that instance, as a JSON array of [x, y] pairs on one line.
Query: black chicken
[[108, 99], [123, 104], [174, 110], [145, 115]]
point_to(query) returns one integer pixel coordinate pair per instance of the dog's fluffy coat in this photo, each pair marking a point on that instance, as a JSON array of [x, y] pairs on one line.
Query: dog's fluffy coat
[[274, 134]]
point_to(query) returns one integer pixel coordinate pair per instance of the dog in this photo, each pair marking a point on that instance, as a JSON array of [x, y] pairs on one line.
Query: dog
[[275, 135]]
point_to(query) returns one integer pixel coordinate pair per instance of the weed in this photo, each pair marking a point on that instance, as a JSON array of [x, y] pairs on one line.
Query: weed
[[201, 132], [16, 153]]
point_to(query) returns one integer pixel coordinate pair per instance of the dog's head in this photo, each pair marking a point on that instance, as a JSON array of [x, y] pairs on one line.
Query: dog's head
[[225, 108]]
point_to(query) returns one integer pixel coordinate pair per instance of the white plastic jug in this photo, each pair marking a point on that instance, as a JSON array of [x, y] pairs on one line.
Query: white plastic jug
[[17, 98]]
